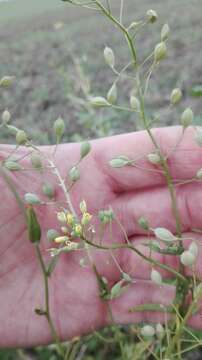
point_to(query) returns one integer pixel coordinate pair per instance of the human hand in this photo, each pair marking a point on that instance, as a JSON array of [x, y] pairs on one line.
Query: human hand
[[132, 192]]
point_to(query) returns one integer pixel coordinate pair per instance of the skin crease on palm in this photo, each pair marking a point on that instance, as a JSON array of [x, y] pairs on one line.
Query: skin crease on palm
[[131, 192]]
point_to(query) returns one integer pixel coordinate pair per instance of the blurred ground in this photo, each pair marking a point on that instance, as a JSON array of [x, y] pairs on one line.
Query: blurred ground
[[56, 53]]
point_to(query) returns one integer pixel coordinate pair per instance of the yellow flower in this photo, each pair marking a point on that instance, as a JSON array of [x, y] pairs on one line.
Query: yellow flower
[[78, 230], [70, 219]]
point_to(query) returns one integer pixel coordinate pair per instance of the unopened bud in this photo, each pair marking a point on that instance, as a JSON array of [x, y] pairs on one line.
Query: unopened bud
[[83, 206], [74, 174], [165, 32], [120, 161], [52, 234], [193, 248], [61, 216], [156, 277], [175, 96], [12, 165], [99, 101], [152, 16], [86, 218], [59, 128], [160, 331], [109, 56], [187, 117], [143, 223], [112, 94], [6, 81], [164, 234], [187, 258], [6, 116], [21, 137], [85, 149], [48, 190], [134, 103], [160, 52], [61, 239], [32, 199], [148, 331], [154, 158], [199, 174], [36, 160]]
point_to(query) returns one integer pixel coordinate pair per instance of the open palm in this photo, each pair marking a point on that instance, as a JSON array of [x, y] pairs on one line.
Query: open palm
[[131, 192]]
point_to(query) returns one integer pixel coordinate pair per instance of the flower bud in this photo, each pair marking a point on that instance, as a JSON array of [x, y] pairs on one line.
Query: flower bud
[[74, 174], [175, 96], [12, 165], [198, 290], [83, 206], [156, 277], [61, 216], [52, 234], [187, 258], [164, 234], [126, 277], [198, 138], [70, 219], [21, 137], [48, 190], [148, 331], [152, 16], [112, 94], [59, 128], [187, 117], [86, 218], [6, 81], [143, 223], [85, 149], [6, 116], [134, 103], [160, 52], [199, 174], [154, 158], [32, 199], [165, 32], [193, 248], [120, 161], [61, 239], [36, 160], [109, 56], [99, 101], [77, 231]]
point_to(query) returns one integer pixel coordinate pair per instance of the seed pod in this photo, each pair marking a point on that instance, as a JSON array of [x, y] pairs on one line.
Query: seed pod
[[83, 206], [134, 103], [165, 32], [143, 223], [12, 165], [187, 117], [187, 258], [164, 234], [193, 248], [52, 234], [199, 174], [61, 216], [99, 101], [48, 190], [34, 229], [6, 81], [160, 52], [152, 16], [74, 174], [6, 116], [109, 56], [59, 129], [198, 138], [175, 96], [112, 94], [154, 158], [156, 277], [21, 137], [148, 331], [32, 199], [36, 160], [120, 161], [85, 149], [160, 331]]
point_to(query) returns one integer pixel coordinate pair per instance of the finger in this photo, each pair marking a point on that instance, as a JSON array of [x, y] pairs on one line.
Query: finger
[[183, 162]]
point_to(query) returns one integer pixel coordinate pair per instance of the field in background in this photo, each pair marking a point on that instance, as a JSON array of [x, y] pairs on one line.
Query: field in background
[[55, 52]]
